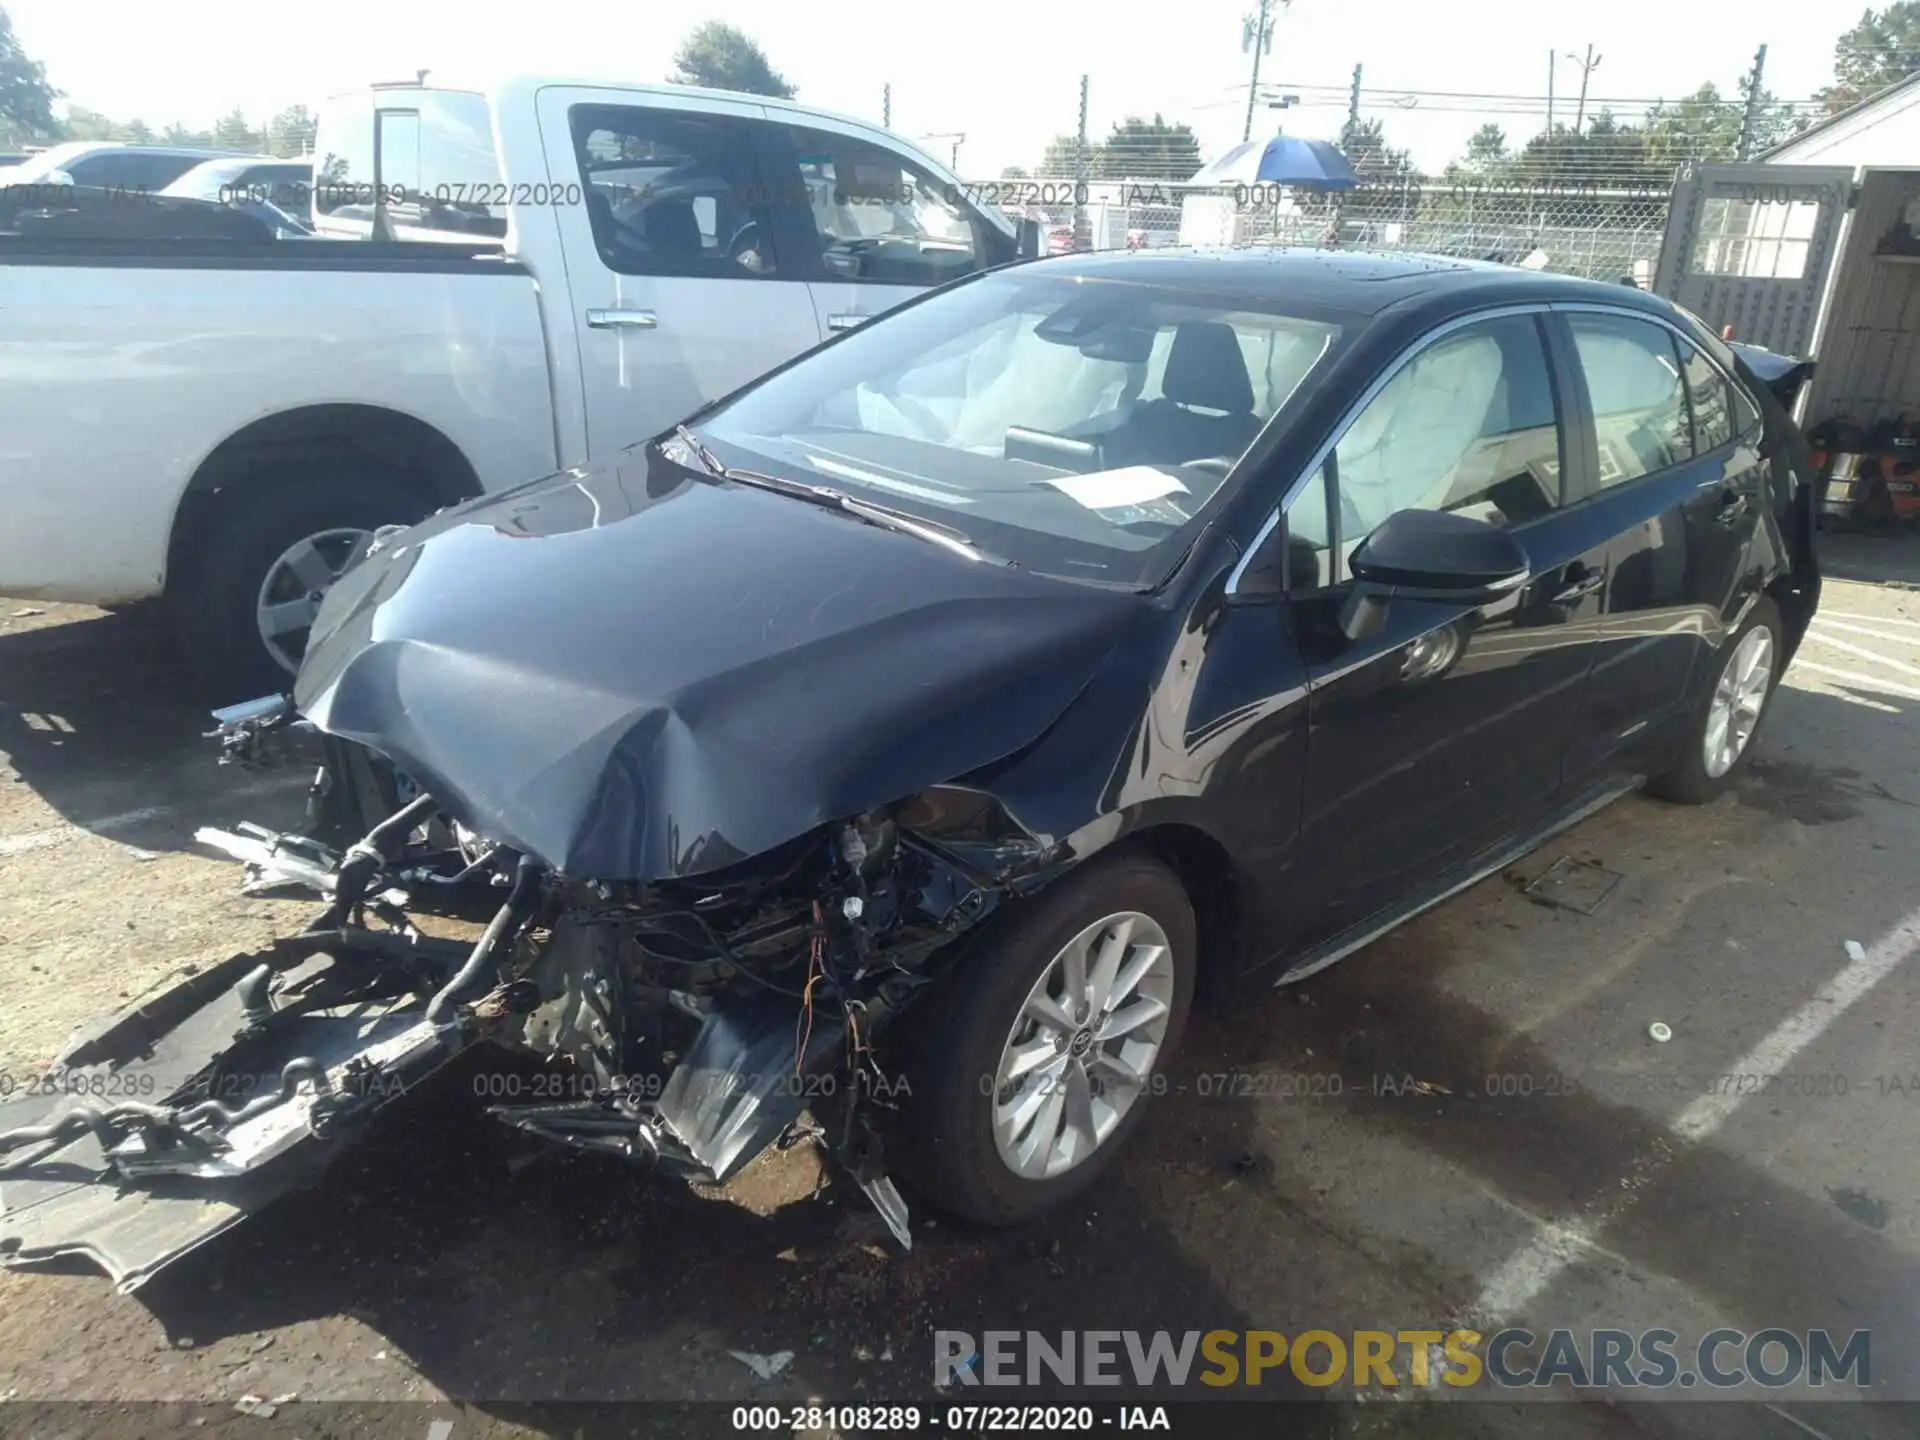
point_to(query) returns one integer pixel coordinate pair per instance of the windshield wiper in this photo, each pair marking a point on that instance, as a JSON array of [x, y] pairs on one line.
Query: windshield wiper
[[884, 516]]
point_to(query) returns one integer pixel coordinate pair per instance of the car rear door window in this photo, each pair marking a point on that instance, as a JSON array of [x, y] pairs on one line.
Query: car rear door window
[[1710, 398], [1639, 403], [1468, 425], [673, 192], [879, 217]]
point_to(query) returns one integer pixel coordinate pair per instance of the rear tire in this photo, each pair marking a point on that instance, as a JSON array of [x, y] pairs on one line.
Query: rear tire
[[251, 533], [955, 1153], [1727, 715]]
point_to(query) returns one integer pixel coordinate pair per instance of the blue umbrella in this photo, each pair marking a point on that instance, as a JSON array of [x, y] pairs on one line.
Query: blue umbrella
[[1280, 160]]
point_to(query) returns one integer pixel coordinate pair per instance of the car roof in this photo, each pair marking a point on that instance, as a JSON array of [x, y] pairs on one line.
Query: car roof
[[1360, 282], [76, 148], [223, 164]]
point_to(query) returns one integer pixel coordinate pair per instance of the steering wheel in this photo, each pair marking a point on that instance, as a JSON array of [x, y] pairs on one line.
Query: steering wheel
[[746, 239]]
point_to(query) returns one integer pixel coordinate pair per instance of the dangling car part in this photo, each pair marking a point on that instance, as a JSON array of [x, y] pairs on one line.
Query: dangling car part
[[884, 742], [695, 1023]]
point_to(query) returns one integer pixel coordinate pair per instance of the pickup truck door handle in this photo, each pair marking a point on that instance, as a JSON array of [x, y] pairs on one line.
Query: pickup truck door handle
[[844, 321], [622, 320], [1579, 588]]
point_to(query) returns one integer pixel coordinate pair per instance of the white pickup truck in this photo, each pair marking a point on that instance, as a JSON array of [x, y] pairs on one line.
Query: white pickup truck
[[506, 283]]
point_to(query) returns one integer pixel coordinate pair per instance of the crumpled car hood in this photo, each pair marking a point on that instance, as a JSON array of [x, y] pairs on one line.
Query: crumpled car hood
[[631, 673]]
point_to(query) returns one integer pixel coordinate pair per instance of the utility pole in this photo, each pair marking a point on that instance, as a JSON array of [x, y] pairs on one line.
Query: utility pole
[[886, 106], [1587, 67], [1752, 115], [1082, 223], [1553, 61], [1256, 37]]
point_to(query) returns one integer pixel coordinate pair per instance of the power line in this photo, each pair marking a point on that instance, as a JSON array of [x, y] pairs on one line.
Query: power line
[[1339, 93]]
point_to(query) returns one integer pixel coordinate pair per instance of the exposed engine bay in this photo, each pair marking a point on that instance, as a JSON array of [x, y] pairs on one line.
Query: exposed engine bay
[[690, 1022]]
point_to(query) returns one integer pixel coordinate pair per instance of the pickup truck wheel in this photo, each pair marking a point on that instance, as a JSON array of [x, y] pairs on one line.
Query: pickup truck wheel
[[1047, 1040], [253, 582]]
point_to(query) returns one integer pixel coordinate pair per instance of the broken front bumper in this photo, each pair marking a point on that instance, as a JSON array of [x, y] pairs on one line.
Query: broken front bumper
[[183, 1116]]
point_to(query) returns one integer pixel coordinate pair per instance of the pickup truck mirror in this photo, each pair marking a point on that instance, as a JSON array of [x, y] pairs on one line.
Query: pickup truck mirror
[[1027, 247]]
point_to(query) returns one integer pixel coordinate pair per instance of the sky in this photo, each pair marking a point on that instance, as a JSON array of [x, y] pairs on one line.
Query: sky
[[1005, 74]]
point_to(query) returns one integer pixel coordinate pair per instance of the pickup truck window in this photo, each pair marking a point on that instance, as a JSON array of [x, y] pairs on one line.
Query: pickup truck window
[[438, 175], [880, 218], [670, 192]]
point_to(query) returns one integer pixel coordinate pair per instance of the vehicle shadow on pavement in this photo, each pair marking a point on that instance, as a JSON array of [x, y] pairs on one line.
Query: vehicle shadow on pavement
[[102, 720]]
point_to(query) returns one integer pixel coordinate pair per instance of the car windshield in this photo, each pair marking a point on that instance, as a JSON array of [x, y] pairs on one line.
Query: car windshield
[[1074, 426]]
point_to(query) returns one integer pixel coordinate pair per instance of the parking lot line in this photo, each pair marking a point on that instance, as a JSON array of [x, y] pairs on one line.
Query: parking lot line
[[1800, 1029], [1822, 622], [1854, 677], [1536, 1265], [1826, 614], [1833, 642], [75, 829]]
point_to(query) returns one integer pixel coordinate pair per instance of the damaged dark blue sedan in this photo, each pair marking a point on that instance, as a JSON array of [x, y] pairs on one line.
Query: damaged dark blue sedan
[[903, 739]]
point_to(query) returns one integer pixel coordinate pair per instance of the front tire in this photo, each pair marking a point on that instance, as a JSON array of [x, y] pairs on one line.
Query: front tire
[[1045, 1040], [250, 584], [1726, 718]]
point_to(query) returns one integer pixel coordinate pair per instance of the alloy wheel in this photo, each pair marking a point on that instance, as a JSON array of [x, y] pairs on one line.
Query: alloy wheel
[[1082, 1050], [296, 583], [1738, 697]]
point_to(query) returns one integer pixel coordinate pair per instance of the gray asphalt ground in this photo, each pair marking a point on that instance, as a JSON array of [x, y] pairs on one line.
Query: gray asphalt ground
[[1467, 1123]]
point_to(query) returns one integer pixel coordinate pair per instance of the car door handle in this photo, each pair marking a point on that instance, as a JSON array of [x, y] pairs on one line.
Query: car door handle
[[622, 320], [1579, 589], [844, 321], [1731, 509]]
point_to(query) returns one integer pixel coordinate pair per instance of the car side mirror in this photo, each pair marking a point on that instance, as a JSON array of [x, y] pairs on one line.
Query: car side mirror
[[1027, 247], [1430, 555]]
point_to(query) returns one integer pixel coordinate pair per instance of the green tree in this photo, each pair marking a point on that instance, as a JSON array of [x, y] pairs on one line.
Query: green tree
[[720, 57], [1882, 50], [290, 133], [26, 99], [137, 132], [1061, 156], [1015, 172], [1148, 150], [1364, 143], [84, 124], [178, 134], [1487, 147], [232, 132]]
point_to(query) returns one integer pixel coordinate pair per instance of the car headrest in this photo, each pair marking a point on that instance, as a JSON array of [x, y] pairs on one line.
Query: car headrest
[[673, 230], [1205, 367]]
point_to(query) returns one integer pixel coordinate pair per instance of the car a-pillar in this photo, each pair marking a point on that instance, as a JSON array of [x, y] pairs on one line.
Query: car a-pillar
[[275, 514]]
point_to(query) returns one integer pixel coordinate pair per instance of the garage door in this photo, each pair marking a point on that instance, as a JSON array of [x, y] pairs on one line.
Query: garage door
[[1751, 246]]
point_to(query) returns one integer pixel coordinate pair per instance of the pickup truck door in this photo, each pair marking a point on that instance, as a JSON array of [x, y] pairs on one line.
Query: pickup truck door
[[870, 223], [679, 291]]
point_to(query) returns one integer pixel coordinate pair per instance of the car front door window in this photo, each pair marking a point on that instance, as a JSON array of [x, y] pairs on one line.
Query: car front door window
[[1466, 425], [879, 217], [674, 192]]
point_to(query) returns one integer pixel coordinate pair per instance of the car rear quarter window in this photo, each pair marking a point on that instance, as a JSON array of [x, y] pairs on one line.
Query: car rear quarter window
[[1639, 403], [1710, 398]]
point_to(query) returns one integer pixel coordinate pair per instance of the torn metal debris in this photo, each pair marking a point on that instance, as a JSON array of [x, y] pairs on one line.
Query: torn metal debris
[[697, 1021]]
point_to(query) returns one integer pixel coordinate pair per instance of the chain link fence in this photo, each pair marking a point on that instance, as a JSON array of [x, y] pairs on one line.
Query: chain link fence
[[1602, 228]]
